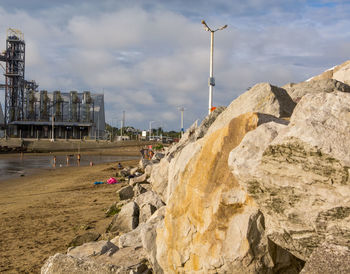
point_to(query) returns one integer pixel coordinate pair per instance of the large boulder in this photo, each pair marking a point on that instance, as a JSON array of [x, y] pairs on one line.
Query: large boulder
[[126, 220], [125, 193], [210, 224], [148, 203], [132, 238], [297, 91], [263, 98], [299, 177], [159, 178], [340, 73], [148, 236], [62, 264]]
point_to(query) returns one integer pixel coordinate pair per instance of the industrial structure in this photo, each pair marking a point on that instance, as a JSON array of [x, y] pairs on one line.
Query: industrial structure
[[29, 113]]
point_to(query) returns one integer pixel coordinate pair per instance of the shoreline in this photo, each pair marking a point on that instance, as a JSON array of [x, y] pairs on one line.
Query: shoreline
[[41, 213]]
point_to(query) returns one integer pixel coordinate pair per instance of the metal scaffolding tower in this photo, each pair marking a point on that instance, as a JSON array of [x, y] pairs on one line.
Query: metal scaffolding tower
[[14, 76]]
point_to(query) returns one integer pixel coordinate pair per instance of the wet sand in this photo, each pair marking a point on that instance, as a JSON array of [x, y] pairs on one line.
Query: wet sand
[[40, 214]]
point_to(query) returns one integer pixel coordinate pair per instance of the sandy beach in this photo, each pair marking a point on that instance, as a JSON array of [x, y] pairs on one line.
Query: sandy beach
[[40, 214]]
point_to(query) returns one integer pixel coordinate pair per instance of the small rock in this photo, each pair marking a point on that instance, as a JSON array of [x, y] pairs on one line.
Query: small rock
[[84, 238], [126, 220], [139, 189], [92, 249], [139, 179], [125, 193], [134, 170]]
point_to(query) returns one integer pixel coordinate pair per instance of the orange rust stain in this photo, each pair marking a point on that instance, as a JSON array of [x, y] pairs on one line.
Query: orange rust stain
[[200, 188]]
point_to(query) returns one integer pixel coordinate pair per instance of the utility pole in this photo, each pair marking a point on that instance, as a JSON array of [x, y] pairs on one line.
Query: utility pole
[[122, 124], [150, 128], [211, 81], [53, 127], [182, 109]]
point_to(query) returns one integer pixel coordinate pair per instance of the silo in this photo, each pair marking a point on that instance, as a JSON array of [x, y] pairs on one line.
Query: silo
[[44, 105]]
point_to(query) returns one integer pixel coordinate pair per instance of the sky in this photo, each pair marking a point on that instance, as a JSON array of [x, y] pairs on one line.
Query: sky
[[150, 58]]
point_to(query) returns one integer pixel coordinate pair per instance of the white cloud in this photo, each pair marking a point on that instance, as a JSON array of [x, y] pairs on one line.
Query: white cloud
[[151, 58]]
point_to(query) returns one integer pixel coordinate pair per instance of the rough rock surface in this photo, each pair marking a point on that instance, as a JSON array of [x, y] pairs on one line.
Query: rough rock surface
[[263, 98], [297, 91], [124, 261], [92, 249], [148, 236], [85, 238], [328, 259], [132, 238], [208, 209], [139, 179], [126, 220], [125, 193], [340, 73], [300, 177], [62, 264]]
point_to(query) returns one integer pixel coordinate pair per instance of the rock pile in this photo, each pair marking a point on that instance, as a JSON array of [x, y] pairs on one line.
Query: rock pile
[[261, 186]]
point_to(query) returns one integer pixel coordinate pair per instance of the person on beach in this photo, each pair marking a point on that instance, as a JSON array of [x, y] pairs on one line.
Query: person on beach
[[143, 152], [67, 160], [120, 166], [54, 161], [78, 159]]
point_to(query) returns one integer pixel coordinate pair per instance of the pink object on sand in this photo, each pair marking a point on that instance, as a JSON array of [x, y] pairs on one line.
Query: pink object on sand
[[112, 181]]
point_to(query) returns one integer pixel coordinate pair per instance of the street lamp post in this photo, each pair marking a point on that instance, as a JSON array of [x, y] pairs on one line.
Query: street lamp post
[[150, 128], [182, 109], [211, 81]]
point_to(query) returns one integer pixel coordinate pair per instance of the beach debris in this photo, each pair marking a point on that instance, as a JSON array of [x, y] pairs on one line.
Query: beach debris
[[98, 183], [112, 181]]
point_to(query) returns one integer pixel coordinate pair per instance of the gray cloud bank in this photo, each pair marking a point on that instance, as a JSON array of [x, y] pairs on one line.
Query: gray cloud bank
[[149, 57]]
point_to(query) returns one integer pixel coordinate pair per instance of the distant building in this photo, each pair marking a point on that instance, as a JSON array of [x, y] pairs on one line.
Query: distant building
[[70, 115], [29, 113]]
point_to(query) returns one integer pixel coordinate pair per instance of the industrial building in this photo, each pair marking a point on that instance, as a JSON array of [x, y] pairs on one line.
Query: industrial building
[[29, 113]]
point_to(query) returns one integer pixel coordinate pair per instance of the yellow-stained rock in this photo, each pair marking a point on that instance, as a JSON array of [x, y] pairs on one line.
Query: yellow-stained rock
[[209, 217]]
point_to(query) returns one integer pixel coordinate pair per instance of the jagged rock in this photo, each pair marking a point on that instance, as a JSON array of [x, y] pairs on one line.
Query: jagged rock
[[146, 212], [207, 210], [125, 193], [148, 236], [245, 158], [297, 91], [125, 172], [340, 73], [263, 98], [207, 122], [159, 178], [62, 264], [148, 170], [144, 162], [300, 179], [139, 189], [158, 156], [84, 238], [92, 249], [126, 220], [328, 259], [124, 261], [140, 179], [132, 238], [134, 170], [133, 258], [149, 197]]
